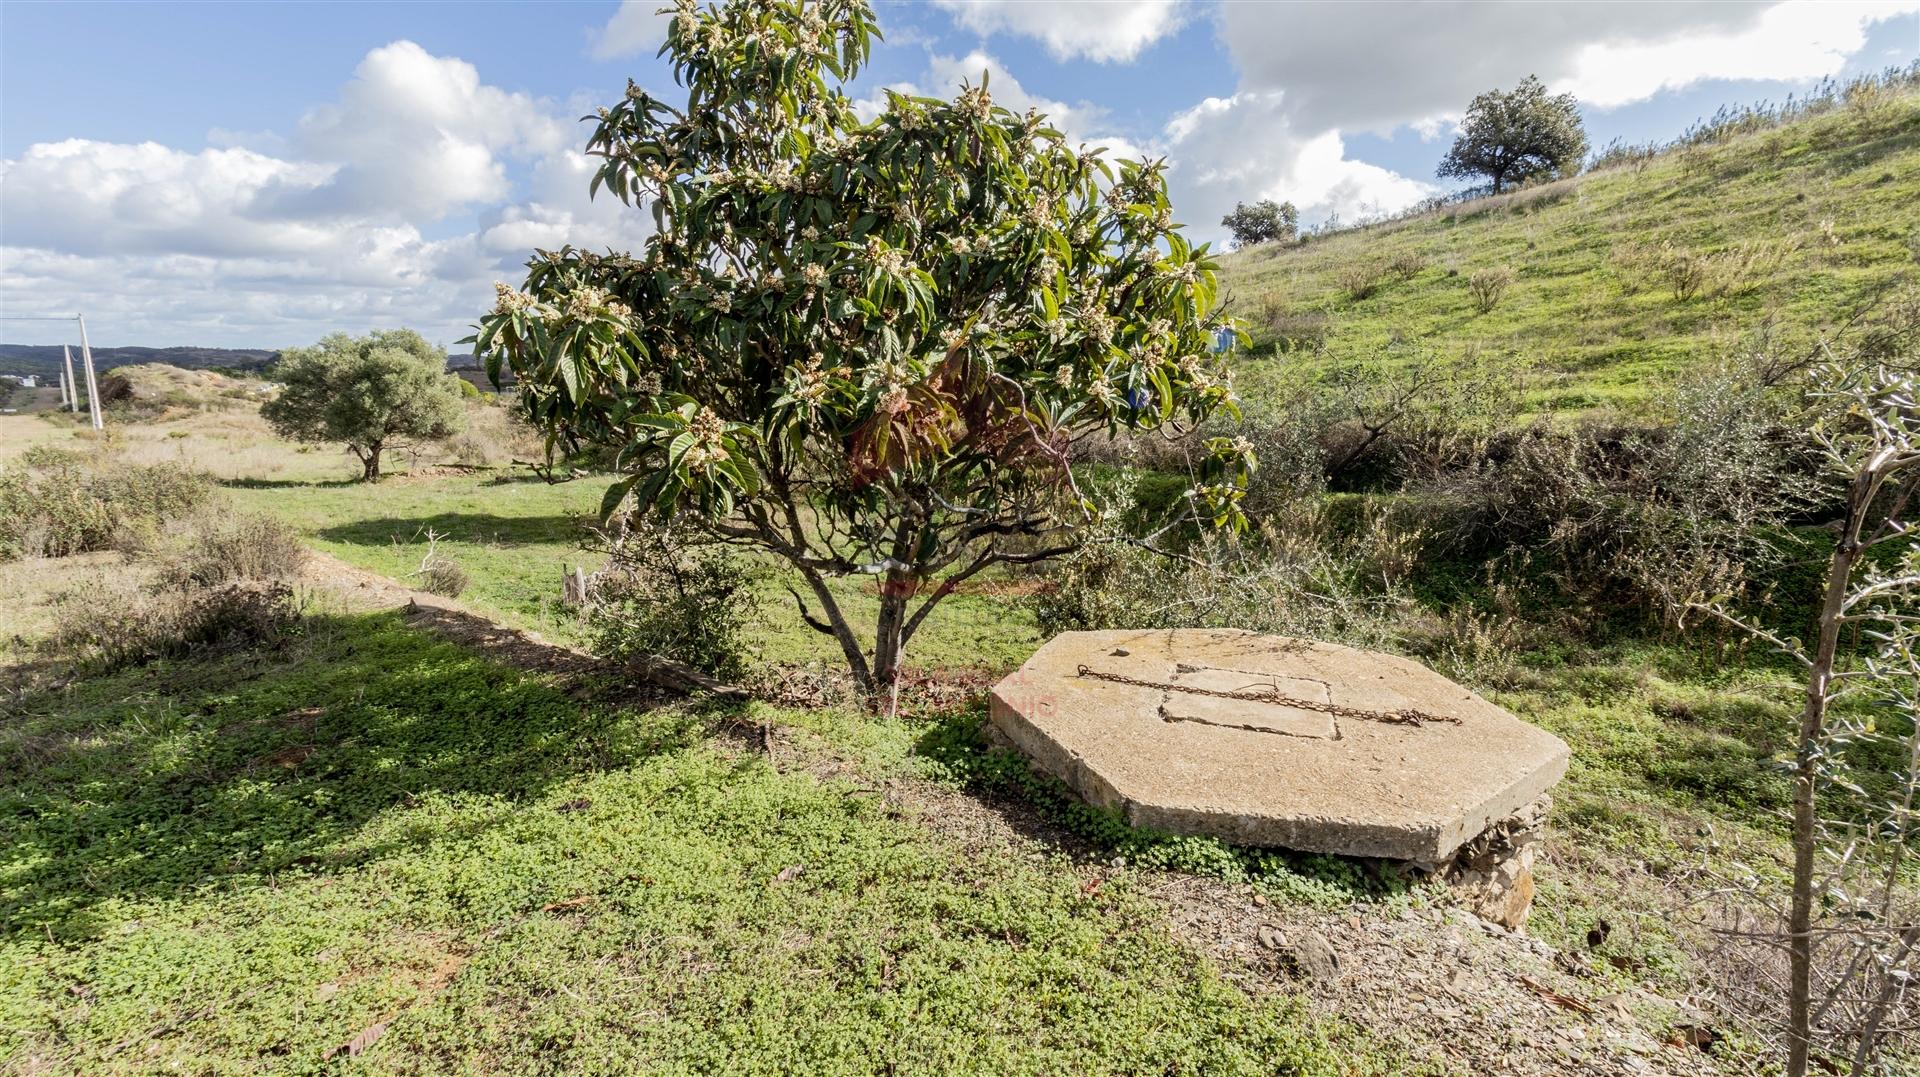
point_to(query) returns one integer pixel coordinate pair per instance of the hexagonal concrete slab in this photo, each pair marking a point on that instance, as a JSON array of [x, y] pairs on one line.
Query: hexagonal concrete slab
[[1264, 740]]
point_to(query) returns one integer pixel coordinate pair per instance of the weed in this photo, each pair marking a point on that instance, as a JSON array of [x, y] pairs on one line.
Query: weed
[[1488, 286]]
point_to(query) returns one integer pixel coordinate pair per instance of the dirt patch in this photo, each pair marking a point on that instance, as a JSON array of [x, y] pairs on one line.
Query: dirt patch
[[445, 617]]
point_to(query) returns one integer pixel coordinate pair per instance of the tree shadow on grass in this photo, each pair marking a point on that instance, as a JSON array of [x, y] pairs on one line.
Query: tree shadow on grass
[[233, 770], [458, 527], [287, 484], [1043, 809]]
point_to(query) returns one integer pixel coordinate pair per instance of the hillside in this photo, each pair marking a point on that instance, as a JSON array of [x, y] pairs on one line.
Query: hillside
[[1623, 276], [45, 359]]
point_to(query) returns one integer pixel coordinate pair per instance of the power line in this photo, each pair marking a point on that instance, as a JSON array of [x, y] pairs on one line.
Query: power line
[[86, 358]]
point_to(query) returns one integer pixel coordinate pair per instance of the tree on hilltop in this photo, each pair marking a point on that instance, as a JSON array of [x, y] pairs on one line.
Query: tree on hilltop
[[1262, 222], [1518, 136], [868, 348], [372, 392]]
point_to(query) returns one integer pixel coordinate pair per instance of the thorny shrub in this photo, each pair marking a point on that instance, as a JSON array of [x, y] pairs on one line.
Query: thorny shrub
[[1488, 286]]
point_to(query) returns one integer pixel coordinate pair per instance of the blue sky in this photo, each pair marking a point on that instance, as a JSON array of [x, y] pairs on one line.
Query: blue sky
[[262, 174]]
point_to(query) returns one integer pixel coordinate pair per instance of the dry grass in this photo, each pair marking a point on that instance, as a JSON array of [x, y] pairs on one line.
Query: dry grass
[[236, 444], [224, 444], [30, 589]]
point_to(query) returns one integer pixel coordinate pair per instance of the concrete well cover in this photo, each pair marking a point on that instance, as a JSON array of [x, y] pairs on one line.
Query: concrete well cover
[[1157, 725]]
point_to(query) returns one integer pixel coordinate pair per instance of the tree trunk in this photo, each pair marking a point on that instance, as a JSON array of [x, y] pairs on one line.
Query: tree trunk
[[837, 624], [889, 644], [370, 463], [1805, 787]]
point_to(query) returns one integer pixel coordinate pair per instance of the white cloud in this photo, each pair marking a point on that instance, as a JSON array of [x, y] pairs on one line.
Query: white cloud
[[1245, 148], [1794, 42], [92, 197], [637, 29], [420, 134], [1103, 30], [1374, 67], [335, 230]]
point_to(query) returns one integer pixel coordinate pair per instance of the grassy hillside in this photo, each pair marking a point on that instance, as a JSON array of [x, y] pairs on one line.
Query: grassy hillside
[[1801, 224]]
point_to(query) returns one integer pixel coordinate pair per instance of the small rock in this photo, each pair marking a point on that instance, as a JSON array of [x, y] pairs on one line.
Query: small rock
[[1314, 958], [1272, 939], [1259, 900]]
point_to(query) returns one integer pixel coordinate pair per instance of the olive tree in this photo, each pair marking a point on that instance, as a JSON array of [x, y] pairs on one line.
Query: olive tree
[[1262, 222], [372, 392], [868, 347], [1518, 135]]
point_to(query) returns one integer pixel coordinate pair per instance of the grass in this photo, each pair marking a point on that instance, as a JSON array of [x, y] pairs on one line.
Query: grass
[[514, 537], [1818, 212], [245, 863]]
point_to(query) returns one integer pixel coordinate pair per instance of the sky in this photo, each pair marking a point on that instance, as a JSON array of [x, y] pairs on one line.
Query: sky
[[259, 175]]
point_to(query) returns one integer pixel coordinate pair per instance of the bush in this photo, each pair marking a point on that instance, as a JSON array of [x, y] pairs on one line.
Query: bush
[[1404, 266], [1635, 519], [222, 549], [1290, 328], [661, 594], [1488, 286], [1685, 272], [440, 575], [1316, 568], [110, 624], [58, 503], [1361, 280]]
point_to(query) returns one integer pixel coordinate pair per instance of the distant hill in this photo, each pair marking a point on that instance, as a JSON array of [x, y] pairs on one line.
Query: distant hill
[[1624, 276], [44, 359]]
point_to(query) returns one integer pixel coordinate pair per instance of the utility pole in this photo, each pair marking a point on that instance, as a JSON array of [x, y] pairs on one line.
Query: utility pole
[[67, 396], [93, 388]]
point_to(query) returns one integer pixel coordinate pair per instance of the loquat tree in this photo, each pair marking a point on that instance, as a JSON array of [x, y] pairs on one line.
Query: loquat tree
[[868, 347]]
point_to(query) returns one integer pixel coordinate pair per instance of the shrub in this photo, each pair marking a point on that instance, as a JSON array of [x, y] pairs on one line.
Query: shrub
[[1634, 519], [221, 549], [1685, 271], [1361, 280], [1290, 328], [443, 576], [439, 574], [1314, 568], [662, 594], [58, 503], [109, 624], [1404, 266], [1488, 286]]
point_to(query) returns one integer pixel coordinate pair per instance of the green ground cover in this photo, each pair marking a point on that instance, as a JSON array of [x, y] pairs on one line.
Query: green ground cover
[[1803, 223], [514, 537], [1667, 741], [242, 864]]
